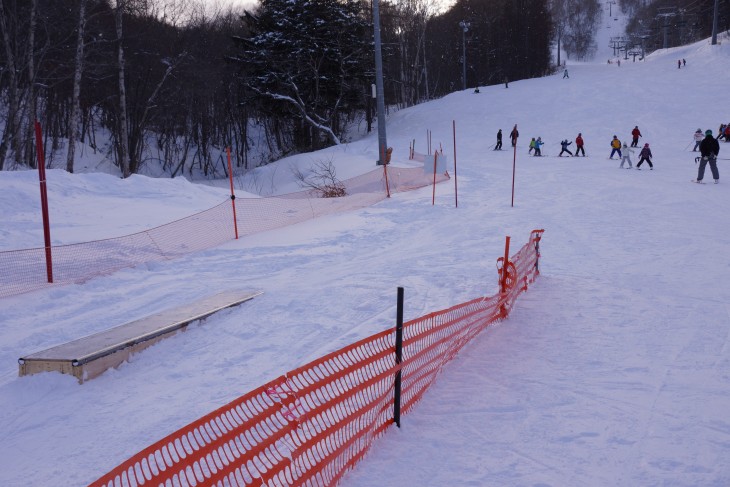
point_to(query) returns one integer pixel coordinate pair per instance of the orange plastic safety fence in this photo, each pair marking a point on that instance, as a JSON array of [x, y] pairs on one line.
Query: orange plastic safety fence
[[25, 270], [311, 425]]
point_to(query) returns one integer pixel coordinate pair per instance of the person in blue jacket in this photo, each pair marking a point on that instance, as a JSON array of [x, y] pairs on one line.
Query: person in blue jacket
[[538, 143]]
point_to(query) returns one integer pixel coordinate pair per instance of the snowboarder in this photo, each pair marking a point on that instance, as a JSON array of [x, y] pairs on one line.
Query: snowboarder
[[698, 139], [499, 140], [564, 147], [645, 156], [615, 147], [679, 64], [626, 157], [635, 134], [532, 146], [513, 135], [709, 149], [565, 74], [579, 145], [506, 82], [538, 143]]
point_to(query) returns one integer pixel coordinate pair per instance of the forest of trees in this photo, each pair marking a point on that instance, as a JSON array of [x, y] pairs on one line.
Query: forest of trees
[[669, 23], [170, 82]]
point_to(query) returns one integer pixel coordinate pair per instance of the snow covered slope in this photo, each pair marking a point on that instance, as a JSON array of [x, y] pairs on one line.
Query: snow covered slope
[[614, 369]]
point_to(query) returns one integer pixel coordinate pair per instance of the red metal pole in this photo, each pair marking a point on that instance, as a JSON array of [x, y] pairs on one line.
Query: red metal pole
[[387, 186], [514, 165], [456, 188], [233, 196], [503, 279], [433, 198], [44, 199]]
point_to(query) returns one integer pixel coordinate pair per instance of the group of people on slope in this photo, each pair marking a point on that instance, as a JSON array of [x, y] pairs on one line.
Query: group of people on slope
[[645, 154], [708, 146]]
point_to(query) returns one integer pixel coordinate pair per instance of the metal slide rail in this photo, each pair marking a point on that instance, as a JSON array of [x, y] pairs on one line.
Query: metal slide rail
[[311, 425]]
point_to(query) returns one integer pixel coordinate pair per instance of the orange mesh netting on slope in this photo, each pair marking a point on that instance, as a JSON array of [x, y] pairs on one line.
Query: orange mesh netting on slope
[[311, 425], [26, 270]]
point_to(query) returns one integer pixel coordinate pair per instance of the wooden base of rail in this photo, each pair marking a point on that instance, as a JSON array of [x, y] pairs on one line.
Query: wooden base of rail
[[90, 356]]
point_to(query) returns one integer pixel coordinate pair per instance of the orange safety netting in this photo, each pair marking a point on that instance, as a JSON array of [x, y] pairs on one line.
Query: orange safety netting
[[311, 425], [26, 270]]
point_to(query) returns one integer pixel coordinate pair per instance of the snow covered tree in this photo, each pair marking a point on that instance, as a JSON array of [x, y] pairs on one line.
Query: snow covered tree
[[307, 62]]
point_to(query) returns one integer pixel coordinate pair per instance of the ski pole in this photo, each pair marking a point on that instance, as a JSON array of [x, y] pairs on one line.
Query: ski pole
[[687, 147]]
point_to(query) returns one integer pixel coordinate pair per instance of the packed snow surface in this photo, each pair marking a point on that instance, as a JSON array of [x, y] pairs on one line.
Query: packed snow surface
[[613, 369]]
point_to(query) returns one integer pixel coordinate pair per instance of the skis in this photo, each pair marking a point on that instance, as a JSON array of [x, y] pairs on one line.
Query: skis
[[696, 181]]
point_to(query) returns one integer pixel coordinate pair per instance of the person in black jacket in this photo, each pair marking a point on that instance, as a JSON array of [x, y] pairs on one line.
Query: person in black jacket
[[499, 140], [646, 156], [709, 149]]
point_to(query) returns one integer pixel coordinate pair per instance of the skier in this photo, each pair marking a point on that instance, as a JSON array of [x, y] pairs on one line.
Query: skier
[[564, 144], [579, 145], [679, 64], [513, 135], [615, 147], [565, 74], [709, 149], [626, 157], [532, 146], [499, 140], [698, 139], [538, 144], [645, 156], [635, 134]]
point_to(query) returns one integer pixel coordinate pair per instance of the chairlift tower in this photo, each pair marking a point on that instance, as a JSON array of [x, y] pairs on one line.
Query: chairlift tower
[[464, 29], [666, 13]]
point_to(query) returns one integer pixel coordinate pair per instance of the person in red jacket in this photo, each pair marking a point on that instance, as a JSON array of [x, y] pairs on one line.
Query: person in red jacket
[[635, 134], [579, 145]]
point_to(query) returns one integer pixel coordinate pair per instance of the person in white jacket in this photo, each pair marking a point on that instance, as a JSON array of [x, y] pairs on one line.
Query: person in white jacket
[[626, 156], [698, 139]]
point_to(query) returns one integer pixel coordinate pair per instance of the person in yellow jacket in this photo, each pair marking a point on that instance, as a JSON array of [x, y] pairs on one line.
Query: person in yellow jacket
[[615, 147]]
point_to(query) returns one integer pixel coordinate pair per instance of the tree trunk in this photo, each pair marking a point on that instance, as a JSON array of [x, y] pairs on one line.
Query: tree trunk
[[12, 127], [73, 129], [28, 152], [123, 141]]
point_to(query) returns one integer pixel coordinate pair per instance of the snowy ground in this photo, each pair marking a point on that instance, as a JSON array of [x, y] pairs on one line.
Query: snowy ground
[[614, 369]]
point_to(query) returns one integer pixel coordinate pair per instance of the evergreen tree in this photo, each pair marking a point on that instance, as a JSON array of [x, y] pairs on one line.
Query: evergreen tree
[[310, 58]]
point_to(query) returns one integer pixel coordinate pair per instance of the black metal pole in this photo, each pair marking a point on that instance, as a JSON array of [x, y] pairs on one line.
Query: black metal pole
[[398, 356]]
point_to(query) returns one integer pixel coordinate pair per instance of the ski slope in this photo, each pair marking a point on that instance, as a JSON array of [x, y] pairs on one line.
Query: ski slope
[[614, 369]]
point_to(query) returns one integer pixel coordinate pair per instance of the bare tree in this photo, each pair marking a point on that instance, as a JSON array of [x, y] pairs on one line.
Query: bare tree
[[11, 135], [73, 123], [123, 142]]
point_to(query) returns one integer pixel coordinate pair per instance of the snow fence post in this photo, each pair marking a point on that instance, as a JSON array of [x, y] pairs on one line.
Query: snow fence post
[[44, 200], [398, 356]]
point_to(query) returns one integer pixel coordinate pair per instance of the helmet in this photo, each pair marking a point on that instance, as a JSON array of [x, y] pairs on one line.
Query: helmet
[[708, 132], [699, 130], [614, 136], [646, 145]]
